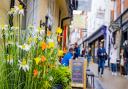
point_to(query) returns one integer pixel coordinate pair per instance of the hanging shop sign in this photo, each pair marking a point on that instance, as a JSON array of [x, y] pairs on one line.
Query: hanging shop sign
[[100, 13], [78, 68]]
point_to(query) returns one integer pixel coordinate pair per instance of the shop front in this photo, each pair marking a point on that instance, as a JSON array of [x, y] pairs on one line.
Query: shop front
[[124, 26], [94, 40]]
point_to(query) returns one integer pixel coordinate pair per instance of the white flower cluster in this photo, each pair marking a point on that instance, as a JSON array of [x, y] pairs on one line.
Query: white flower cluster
[[16, 10]]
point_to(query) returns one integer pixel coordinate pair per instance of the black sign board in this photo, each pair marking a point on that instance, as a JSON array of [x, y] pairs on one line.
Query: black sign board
[[77, 72], [78, 68]]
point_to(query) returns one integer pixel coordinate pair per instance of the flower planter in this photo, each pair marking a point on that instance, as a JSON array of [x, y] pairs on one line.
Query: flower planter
[[58, 86]]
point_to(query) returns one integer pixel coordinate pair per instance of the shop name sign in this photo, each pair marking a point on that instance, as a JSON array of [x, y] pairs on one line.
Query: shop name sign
[[78, 68]]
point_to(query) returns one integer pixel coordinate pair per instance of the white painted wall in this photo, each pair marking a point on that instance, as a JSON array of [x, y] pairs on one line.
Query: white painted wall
[[93, 22]]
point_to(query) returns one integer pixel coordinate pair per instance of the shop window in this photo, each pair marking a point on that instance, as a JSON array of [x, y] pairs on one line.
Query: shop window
[[125, 36]]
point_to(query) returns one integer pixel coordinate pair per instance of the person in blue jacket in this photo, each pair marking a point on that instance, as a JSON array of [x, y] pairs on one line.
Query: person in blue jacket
[[77, 50], [101, 53], [67, 57]]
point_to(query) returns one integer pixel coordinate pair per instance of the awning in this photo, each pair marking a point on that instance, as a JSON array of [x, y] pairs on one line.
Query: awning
[[101, 31]]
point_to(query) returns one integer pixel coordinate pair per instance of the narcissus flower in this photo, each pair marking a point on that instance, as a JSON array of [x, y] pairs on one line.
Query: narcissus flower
[[60, 52], [35, 72], [25, 47], [58, 30], [51, 43], [23, 65], [43, 58], [48, 33], [37, 60], [44, 45]]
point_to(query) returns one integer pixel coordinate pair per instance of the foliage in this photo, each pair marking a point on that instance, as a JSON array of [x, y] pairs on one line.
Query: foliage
[[27, 61]]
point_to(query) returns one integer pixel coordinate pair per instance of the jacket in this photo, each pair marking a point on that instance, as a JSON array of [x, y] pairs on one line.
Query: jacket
[[66, 58], [113, 55], [101, 53]]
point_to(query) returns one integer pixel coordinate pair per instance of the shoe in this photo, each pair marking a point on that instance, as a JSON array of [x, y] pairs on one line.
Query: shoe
[[101, 75], [115, 74], [112, 73]]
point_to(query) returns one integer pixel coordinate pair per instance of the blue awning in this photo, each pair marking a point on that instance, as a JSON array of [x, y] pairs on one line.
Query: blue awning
[[100, 32]]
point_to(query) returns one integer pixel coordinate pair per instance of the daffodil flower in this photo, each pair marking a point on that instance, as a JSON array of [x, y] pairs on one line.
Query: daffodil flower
[[51, 43], [17, 10], [23, 65], [37, 60], [21, 10], [25, 47], [5, 27], [14, 28], [60, 53], [59, 30]]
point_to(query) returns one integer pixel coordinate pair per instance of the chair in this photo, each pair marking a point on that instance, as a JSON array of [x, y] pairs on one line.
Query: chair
[[91, 75]]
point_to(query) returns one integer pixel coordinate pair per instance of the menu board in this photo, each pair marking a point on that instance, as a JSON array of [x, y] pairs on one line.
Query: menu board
[[78, 69], [77, 72]]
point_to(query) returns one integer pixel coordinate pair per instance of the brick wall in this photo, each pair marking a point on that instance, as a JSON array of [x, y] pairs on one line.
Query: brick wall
[[112, 15], [118, 7], [125, 4]]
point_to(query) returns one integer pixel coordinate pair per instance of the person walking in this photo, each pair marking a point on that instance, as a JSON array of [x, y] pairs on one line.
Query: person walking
[[88, 56], [101, 53], [77, 50], [122, 69], [125, 55], [67, 57], [113, 60]]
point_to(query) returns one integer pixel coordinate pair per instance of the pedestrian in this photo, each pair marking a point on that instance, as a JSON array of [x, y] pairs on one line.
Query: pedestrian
[[77, 50], [88, 55], [67, 57], [101, 53], [125, 55], [83, 53], [122, 69], [113, 60]]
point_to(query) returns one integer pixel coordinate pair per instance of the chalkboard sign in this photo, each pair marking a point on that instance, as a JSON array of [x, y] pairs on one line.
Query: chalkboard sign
[[78, 68], [77, 72]]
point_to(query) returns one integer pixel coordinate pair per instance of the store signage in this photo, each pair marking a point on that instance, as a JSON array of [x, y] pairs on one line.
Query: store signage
[[78, 68], [100, 13]]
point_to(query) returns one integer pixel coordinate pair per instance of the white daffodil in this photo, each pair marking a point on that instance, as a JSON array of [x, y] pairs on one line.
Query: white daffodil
[[5, 27], [50, 40], [23, 65], [10, 60], [25, 47], [11, 11], [16, 10], [14, 28], [21, 12]]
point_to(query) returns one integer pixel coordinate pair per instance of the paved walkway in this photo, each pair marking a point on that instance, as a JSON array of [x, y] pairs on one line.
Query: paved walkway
[[108, 81]]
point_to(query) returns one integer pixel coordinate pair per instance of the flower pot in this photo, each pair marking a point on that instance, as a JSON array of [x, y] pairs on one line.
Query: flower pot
[[57, 86]]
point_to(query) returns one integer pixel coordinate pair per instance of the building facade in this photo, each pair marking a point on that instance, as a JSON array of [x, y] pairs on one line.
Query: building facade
[[36, 12]]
